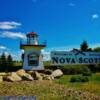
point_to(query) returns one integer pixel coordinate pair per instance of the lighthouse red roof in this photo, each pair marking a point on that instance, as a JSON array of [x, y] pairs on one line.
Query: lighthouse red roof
[[31, 34]]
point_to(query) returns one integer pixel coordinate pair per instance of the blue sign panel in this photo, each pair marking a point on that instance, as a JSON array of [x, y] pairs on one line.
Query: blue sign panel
[[17, 97], [74, 57]]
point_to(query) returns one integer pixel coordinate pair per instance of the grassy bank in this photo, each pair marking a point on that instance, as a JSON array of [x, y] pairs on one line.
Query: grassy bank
[[60, 89], [92, 86]]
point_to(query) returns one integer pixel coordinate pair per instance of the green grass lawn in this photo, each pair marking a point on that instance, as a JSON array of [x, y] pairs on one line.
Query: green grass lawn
[[92, 86]]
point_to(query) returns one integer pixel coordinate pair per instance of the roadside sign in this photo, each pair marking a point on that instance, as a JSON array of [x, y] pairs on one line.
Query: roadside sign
[[74, 57]]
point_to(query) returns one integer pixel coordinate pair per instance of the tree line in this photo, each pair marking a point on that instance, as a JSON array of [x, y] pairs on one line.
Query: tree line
[[5, 62], [85, 47]]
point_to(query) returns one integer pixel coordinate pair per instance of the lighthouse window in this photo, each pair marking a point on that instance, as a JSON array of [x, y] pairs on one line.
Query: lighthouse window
[[33, 60]]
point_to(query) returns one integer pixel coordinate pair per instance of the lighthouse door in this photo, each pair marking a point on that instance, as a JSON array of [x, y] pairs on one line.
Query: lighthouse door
[[33, 60]]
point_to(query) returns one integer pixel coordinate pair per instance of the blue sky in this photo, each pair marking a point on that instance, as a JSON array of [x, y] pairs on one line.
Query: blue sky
[[63, 23]]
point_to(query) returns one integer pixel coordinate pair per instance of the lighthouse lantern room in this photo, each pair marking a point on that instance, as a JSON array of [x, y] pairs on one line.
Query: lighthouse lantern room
[[32, 57]]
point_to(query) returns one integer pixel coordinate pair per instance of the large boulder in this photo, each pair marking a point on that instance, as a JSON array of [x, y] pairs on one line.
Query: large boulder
[[2, 74], [37, 76], [48, 77], [5, 74], [13, 77], [27, 77], [24, 75], [30, 72], [48, 71], [21, 72], [57, 73]]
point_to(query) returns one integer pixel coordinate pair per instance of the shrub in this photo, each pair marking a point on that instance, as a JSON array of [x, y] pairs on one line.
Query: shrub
[[72, 69], [75, 69], [79, 79], [98, 68], [75, 79], [84, 79], [86, 71], [93, 67]]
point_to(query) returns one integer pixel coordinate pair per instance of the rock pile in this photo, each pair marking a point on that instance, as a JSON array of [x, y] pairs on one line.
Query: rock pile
[[57, 73], [21, 75], [13, 77], [24, 75]]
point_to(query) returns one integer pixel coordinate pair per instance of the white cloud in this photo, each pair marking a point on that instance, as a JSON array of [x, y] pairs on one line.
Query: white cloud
[[12, 35], [17, 54], [3, 47], [22, 51], [71, 4], [95, 16], [6, 53], [9, 25], [46, 55]]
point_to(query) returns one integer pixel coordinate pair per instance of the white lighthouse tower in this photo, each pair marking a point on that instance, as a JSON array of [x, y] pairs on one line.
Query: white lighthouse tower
[[32, 58]]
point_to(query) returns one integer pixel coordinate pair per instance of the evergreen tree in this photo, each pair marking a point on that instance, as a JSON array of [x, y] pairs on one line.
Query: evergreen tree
[[9, 60], [9, 63], [3, 62], [84, 46]]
